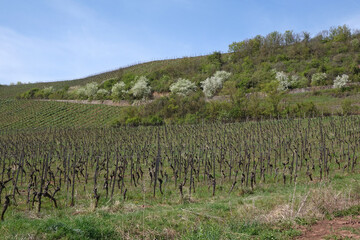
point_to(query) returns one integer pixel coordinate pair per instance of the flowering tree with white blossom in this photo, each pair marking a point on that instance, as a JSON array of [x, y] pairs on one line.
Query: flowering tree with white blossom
[[141, 89], [183, 87], [341, 81], [213, 84]]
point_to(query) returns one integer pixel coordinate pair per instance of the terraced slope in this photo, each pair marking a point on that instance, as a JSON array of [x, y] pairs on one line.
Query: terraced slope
[[25, 114]]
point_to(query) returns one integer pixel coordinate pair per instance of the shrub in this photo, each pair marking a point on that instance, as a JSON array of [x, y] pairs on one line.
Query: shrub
[[355, 43], [215, 59], [101, 94], [283, 80], [29, 94], [295, 81], [305, 110], [288, 82], [183, 87], [89, 91], [141, 89], [44, 93], [49, 90], [213, 84], [152, 121], [134, 121], [340, 82], [348, 108], [80, 92], [318, 79], [118, 91], [108, 84]]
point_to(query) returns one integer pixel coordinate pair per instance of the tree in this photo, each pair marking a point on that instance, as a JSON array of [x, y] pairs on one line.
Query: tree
[[141, 89], [212, 84], [306, 37], [101, 94], [341, 82], [318, 79], [88, 91], [183, 87], [289, 37], [286, 82], [118, 91], [283, 81], [91, 89], [215, 58], [273, 40], [340, 33], [48, 90]]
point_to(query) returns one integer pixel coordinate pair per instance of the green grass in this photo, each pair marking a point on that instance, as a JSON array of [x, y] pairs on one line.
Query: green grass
[[221, 217], [325, 100]]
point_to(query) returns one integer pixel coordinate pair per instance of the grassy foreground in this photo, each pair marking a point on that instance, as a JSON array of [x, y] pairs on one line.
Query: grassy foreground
[[271, 211]]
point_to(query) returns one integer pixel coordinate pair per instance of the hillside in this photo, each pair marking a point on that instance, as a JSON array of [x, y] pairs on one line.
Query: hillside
[[12, 91], [253, 80], [334, 52], [257, 143]]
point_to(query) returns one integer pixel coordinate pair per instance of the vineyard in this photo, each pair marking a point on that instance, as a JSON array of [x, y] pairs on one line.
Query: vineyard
[[25, 114], [243, 159], [96, 168]]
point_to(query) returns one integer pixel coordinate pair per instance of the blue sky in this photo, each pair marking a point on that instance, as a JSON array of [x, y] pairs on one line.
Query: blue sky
[[49, 40]]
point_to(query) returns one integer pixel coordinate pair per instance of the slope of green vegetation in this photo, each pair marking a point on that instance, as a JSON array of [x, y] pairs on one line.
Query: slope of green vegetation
[[24, 114], [334, 52], [256, 76]]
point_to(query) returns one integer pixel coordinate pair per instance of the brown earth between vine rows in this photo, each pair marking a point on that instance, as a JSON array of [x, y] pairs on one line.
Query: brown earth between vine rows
[[338, 228]]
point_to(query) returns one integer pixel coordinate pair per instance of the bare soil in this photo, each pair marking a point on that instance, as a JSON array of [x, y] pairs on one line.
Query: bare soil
[[338, 228]]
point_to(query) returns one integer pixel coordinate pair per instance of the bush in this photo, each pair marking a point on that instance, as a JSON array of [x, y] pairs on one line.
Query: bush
[[89, 91], [340, 82], [29, 94], [213, 84], [152, 121], [118, 91], [318, 79], [183, 87], [44, 93], [134, 121], [303, 110], [47, 91], [215, 59], [355, 43], [283, 80], [348, 108], [108, 84], [289, 82], [141, 89], [101, 94]]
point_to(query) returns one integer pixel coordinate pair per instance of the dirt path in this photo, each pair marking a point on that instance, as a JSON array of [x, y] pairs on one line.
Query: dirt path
[[122, 103], [338, 228]]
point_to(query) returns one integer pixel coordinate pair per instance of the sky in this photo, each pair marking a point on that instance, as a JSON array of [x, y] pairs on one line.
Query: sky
[[52, 40]]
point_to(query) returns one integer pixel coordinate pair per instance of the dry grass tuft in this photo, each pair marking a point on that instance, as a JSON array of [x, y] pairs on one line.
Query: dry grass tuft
[[316, 203]]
